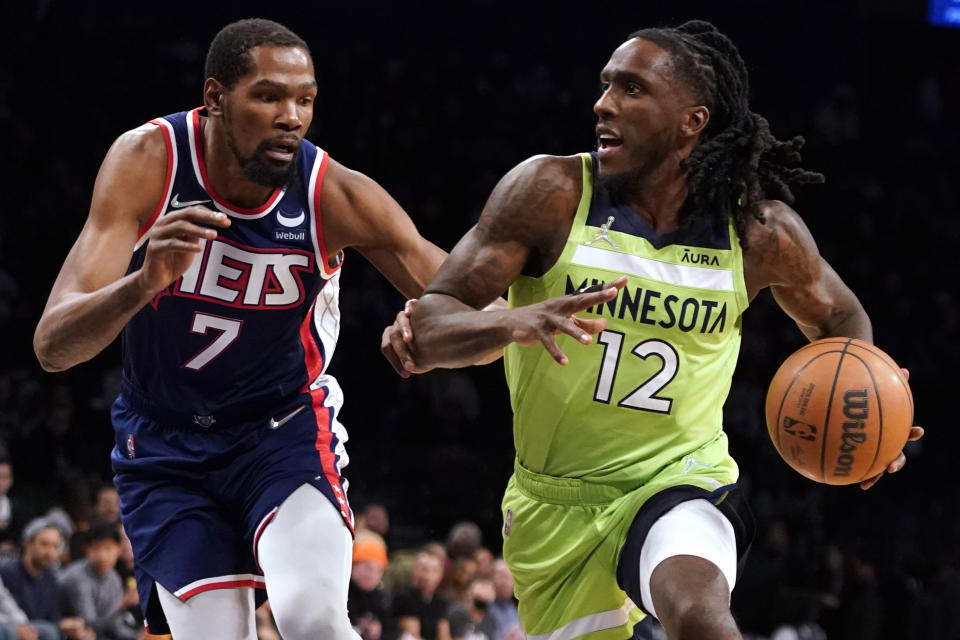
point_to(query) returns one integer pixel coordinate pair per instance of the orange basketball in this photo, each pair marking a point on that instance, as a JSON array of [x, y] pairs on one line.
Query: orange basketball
[[839, 410]]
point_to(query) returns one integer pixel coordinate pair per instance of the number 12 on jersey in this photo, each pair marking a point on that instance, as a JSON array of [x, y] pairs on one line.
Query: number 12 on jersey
[[645, 396]]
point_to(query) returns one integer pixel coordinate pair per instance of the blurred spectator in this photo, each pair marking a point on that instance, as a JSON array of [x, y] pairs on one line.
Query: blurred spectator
[[483, 558], [92, 589], [14, 624], [374, 517], [464, 540], [31, 579], [460, 573], [367, 601], [470, 619], [504, 607], [8, 507], [419, 611], [125, 570], [106, 504]]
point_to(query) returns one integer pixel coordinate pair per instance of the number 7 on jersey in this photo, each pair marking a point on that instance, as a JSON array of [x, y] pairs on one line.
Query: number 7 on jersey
[[229, 329]]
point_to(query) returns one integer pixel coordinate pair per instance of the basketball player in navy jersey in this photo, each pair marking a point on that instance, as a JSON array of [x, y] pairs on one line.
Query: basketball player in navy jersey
[[213, 243]]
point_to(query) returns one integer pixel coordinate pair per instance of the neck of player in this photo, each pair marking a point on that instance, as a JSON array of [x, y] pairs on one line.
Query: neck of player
[[658, 195]]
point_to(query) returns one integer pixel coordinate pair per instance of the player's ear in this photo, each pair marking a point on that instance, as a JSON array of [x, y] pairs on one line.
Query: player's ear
[[213, 93], [695, 120]]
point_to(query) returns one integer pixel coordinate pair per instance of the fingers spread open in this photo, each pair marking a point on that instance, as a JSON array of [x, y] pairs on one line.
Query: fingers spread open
[[550, 344], [590, 325]]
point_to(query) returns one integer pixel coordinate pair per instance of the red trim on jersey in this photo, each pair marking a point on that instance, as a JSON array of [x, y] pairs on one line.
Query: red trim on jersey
[[328, 459], [166, 184], [317, 188], [313, 360], [311, 354], [198, 147], [256, 536], [226, 584]]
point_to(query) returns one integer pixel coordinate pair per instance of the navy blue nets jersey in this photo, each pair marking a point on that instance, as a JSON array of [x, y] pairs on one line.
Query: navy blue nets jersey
[[254, 320]]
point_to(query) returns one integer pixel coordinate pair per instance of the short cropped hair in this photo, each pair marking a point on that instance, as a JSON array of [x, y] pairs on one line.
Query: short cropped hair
[[101, 530], [228, 58]]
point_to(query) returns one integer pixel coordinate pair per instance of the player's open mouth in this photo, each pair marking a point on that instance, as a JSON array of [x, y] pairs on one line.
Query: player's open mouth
[[281, 151], [607, 146]]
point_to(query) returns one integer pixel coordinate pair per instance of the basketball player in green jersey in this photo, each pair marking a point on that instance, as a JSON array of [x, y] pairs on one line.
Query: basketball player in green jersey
[[624, 494]]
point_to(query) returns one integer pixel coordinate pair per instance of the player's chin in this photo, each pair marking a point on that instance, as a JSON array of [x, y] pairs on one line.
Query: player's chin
[[615, 173], [269, 172]]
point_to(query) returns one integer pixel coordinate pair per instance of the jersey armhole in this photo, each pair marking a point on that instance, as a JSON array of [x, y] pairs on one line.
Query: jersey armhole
[[739, 278], [167, 130], [580, 217], [316, 226]]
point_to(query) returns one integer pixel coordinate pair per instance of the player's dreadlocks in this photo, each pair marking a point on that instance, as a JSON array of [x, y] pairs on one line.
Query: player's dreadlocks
[[737, 160]]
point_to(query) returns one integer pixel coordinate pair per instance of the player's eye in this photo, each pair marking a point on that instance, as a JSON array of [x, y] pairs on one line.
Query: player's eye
[[633, 88], [306, 102]]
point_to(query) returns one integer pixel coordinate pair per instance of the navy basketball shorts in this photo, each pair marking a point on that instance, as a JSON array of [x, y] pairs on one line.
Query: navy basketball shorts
[[194, 500]]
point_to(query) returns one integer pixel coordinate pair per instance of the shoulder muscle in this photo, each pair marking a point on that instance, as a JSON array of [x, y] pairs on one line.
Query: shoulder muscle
[[780, 250]]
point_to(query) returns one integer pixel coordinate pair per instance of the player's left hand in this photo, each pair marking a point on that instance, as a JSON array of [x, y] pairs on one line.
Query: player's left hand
[[915, 434], [395, 342]]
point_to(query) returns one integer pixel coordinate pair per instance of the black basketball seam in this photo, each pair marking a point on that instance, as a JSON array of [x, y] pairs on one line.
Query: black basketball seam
[[826, 426], [876, 391], [817, 343], [899, 376], [783, 398]]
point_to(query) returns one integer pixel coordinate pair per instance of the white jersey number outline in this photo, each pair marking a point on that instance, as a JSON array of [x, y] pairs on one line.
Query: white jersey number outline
[[644, 397], [229, 329]]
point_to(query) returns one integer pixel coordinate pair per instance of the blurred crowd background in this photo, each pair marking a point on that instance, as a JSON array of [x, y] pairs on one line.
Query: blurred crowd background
[[436, 101]]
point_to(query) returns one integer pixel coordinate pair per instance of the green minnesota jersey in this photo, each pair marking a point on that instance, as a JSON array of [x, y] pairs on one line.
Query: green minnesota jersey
[[649, 390]]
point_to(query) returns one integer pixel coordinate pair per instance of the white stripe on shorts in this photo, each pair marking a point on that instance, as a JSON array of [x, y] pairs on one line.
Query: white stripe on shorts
[[589, 624]]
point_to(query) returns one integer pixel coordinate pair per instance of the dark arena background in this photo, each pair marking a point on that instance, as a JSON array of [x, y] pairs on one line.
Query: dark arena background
[[436, 101]]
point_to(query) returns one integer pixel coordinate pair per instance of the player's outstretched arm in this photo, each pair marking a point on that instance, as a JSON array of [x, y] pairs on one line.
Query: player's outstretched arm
[[357, 212], [526, 218], [783, 255], [92, 299]]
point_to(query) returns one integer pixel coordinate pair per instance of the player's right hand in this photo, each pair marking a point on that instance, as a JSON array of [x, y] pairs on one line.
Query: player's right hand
[[542, 321], [174, 240]]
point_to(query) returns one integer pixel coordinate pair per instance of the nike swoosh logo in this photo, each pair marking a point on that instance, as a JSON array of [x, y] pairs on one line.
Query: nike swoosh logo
[[176, 204], [276, 424], [291, 222]]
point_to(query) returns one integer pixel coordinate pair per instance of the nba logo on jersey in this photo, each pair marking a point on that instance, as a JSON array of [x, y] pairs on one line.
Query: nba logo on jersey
[[508, 522], [131, 448]]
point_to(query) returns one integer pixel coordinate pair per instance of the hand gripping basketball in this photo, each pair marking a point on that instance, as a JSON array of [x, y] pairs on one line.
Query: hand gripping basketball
[[839, 411]]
